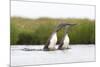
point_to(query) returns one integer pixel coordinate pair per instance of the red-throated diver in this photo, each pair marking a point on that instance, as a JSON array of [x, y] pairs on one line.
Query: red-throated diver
[[64, 44]]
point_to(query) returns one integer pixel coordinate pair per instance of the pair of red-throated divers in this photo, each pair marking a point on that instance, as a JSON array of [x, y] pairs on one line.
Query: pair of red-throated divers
[[64, 44], [51, 43]]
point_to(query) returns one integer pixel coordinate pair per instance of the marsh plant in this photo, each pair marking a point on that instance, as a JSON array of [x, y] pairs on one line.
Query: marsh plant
[[25, 31]]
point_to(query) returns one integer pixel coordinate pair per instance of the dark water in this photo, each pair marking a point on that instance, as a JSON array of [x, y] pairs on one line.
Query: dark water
[[77, 53]]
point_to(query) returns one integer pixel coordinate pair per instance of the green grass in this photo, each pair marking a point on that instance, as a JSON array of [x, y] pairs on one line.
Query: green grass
[[37, 31]]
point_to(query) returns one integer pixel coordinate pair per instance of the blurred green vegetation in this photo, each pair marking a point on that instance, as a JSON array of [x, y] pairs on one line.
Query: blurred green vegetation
[[25, 31]]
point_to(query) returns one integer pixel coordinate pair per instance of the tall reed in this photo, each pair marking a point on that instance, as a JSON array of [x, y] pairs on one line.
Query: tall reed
[[26, 31]]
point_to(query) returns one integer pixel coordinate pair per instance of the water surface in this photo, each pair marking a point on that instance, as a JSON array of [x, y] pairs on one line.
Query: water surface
[[77, 53]]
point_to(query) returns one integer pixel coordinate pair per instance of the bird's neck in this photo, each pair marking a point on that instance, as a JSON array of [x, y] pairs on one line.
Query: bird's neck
[[54, 32]]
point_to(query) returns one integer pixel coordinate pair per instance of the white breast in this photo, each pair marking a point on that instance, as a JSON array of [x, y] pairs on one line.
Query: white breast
[[53, 41], [66, 41]]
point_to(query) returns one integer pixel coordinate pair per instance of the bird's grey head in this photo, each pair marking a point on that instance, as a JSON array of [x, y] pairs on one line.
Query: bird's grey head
[[62, 25]]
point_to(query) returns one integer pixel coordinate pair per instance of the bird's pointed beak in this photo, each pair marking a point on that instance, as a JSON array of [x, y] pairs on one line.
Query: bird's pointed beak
[[73, 24]]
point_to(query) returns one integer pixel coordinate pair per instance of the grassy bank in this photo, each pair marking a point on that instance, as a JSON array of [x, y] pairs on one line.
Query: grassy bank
[[37, 31]]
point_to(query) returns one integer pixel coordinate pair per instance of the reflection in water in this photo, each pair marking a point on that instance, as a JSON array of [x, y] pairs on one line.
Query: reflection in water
[[34, 55]]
